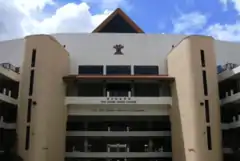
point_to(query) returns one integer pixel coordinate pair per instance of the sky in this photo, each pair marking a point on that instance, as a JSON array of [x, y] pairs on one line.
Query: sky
[[217, 18]]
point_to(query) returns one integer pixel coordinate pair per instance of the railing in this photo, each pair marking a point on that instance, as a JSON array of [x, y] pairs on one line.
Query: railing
[[119, 133], [6, 95], [118, 154], [10, 67], [227, 66], [230, 97]]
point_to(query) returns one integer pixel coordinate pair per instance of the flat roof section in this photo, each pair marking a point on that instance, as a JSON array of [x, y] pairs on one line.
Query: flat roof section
[[117, 77]]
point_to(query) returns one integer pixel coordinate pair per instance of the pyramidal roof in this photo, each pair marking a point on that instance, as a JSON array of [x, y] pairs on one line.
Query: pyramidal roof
[[118, 22]]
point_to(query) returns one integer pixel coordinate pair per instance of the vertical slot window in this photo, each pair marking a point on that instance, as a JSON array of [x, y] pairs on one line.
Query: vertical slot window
[[34, 51], [207, 114], [202, 58], [31, 82], [205, 87], [209, 138], [27, 141], [29, 110]]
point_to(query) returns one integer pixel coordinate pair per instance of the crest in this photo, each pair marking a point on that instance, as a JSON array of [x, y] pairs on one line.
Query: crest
[[118, 48]]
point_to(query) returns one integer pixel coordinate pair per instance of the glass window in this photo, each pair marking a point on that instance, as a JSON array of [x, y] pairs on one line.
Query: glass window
[[146, 70], [90, 69], [115, 70]]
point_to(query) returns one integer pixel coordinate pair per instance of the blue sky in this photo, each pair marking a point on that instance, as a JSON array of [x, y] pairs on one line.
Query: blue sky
[[217, 18]]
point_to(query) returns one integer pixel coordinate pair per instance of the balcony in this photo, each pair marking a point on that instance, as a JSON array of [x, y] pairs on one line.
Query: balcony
[[227, 71], [118, 154], [118, 100], [231, 98], [229, 91], [9, 72], [232, 125], [227, 151], [118, 95], [6, 96]]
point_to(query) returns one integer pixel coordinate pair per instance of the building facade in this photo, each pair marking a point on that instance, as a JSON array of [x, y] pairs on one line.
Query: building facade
[[120, 94]]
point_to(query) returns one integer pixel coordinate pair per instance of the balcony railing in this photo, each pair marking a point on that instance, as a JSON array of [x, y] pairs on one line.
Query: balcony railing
[[230, 97], [119, 133], [118, 154], [227, 71], [232, 125], [118, 100], [10, 67], [6, 96]]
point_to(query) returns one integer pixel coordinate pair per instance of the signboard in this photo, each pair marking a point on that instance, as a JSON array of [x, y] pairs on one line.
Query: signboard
[[120, 100]]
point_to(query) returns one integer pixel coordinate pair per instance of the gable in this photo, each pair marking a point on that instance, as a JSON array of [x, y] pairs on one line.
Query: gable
[[118, 22]]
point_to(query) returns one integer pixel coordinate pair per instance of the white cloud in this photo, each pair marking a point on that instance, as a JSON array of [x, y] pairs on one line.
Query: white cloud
[[22, 17], [110, 4], [236, 4], [225, 32], [196, 22], [189, 22], [230, 32]]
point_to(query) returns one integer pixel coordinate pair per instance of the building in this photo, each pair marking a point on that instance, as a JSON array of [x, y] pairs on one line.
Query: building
[[120, 94]]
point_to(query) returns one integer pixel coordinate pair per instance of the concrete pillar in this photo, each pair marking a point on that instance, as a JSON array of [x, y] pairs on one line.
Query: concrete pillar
[[85, 145], [132, 88], [104, 89], [86, 125], [85, 139], [150, 145]]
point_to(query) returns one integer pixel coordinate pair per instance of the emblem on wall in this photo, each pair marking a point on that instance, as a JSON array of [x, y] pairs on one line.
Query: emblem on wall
[[118, 48]]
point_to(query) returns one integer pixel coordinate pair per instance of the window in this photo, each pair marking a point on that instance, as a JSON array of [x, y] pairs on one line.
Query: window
[[209, 138], [207, 111], [202, 58], [90, 69], [27, 141], [31, 82], [146, 89], [34, 51], [146, 70], [115, 70], [29, 110], [205, 87], [93, 89]]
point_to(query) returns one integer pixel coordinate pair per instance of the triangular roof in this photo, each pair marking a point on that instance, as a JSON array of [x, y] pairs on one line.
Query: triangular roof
[[118, 12]]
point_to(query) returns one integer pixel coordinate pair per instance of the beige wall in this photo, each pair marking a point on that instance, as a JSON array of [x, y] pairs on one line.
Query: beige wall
[[49, 115], [189, 134]]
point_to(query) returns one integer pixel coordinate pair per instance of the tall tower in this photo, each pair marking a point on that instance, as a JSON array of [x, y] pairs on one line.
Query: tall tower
[[42, 114], [195, 113]]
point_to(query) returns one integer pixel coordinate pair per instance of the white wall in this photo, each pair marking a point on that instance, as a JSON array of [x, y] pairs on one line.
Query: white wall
[[12, 51], [97, 49]]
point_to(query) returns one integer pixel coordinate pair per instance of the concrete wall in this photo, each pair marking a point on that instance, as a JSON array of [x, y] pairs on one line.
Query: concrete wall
[[189, 134], [144, 49], [139, 49], [49, 114]]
